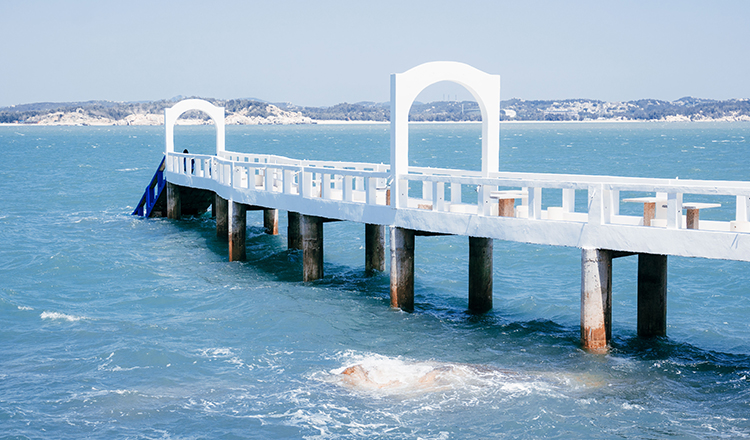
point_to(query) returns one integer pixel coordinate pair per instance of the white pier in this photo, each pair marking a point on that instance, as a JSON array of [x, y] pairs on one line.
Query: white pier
[[414, 201]]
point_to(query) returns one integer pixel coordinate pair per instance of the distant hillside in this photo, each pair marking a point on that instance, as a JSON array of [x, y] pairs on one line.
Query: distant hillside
[[238, 112], [684, 109], [253, 112]]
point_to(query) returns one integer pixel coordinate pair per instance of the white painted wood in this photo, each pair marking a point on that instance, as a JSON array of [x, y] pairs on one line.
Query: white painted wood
[[356, 191]]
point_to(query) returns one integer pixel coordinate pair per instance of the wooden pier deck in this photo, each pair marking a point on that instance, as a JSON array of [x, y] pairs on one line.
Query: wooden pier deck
[[484, 205]]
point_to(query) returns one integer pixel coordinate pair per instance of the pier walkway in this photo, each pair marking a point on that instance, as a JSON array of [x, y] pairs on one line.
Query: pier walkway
[[483, 205]]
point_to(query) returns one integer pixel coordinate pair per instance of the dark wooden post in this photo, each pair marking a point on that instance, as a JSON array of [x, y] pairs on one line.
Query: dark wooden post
[[402, 269], [312, 247], [221, 207], [294, 233], [652, 295], [374, 248], [237, 231], [174, 204], [480, 274], [271, 221]]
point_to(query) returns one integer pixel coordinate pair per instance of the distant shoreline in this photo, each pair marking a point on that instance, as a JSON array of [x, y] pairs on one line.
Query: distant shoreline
[[337, 122]]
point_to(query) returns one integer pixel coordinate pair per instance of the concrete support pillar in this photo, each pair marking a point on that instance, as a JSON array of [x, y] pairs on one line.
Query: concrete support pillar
[[294, 233], [237, 231], [221, 208], [271, 221], [374, 248], [402, 269], [174, 204], [596, 298], [480, 274], [312, 247], [652, 295]]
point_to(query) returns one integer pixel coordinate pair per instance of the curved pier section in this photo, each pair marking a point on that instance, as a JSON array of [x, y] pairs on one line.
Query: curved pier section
[[417, 201]]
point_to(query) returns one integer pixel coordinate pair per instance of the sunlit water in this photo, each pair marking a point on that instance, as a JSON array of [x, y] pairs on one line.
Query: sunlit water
[[113, 326]]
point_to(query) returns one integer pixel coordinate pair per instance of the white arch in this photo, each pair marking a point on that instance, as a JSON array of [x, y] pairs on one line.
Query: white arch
[[405, 87], [216, 113]]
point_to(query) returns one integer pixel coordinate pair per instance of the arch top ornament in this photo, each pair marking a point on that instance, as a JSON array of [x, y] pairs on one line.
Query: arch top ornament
[[405, 87], [173, 113]]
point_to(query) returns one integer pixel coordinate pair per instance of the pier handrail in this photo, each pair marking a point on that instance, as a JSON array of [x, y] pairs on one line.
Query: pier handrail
[[342, 181], [333, 180]]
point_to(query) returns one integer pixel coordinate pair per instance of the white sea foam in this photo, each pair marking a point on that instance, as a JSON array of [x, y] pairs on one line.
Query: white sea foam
[[384, 375], [56, 315], [216, 352]]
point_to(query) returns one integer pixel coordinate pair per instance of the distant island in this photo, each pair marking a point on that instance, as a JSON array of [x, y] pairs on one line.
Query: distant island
[[257, 112]]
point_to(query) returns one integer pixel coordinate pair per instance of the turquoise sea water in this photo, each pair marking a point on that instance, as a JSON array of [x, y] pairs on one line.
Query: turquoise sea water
[[113, 326]]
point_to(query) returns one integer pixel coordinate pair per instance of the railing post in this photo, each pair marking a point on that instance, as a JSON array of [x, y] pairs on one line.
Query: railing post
[[535, 203], [438, 196], [348, 195], [269, 179], [614, 197], [569, 199], [372, 190], [427, 190], [674, 211], [288, 178], [484, 203], [741, 210], [359, 183], [306, 183], [455, 192], [325, 191], [600, 205], [403, 196]]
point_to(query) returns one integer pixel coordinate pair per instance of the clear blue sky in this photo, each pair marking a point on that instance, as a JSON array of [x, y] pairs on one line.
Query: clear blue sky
[[325, 52]]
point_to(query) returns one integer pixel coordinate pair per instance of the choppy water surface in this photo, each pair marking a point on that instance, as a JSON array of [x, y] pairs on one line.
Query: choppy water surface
[[117, 327]]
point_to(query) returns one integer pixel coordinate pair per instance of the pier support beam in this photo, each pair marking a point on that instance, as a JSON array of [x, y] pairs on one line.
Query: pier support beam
[[652, 295], [596, 299], [312, 247], [402, 269], [374, 248], [174, 204], [480, 274], [221, 208], [271, 221], [237, 231], [294, 233]]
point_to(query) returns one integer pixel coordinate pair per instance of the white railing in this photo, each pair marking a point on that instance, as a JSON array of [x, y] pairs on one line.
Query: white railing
[[604, 198], [329, 180], [443, 190]]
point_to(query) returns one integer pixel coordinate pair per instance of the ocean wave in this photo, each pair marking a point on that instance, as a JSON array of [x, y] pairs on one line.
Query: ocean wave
[[57, 315], [383, 375]]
